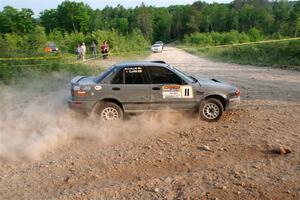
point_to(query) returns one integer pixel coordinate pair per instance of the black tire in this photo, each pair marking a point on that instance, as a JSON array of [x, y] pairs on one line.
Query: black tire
[[109, 111], [211, 110]]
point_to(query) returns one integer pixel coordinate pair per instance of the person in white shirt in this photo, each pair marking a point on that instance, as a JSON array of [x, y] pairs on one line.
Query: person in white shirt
[[83, 47]]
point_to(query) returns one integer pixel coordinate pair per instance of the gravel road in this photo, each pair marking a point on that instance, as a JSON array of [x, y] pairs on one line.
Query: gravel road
[[158, 156]]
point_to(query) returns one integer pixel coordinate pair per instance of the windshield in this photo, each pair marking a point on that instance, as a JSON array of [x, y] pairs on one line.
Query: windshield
[[156, 45], [187, 77]]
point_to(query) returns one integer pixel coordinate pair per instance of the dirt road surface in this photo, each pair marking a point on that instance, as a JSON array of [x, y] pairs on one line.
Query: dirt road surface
[[158, 156]]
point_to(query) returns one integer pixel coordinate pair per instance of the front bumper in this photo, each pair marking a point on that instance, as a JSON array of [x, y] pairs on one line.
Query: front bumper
[[81, 106], [233, 103], [156, 50]]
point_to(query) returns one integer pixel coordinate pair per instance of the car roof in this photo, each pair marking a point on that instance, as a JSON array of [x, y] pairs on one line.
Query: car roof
[[142, 63]]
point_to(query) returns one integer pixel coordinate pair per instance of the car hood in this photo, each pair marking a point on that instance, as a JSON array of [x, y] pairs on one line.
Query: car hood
[[214, 83]]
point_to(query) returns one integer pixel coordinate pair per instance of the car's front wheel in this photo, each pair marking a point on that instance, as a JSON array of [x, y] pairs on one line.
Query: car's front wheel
[[211, 109], [109, 111]]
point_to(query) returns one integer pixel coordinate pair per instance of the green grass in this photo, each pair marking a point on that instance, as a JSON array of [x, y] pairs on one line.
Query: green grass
[[280, 55], [15, 71], [11, 73]]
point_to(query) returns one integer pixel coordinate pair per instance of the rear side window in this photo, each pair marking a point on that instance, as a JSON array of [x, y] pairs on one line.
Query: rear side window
[[118, 79], [161, 75], [134, 75], [105, 74], [130, 75]]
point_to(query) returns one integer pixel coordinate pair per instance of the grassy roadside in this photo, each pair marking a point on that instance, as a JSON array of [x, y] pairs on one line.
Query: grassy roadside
[[15, 71], [279, 55], [24, 56], [14, 74]]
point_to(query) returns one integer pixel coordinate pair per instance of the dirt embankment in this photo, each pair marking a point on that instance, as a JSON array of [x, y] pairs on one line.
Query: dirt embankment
[[48, 152]]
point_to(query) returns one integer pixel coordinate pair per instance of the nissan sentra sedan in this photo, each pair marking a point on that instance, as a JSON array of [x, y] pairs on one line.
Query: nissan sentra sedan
[[135, 87]]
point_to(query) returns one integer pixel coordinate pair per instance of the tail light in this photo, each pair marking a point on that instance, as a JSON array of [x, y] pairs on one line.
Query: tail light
[[74, 89], [80, 93]]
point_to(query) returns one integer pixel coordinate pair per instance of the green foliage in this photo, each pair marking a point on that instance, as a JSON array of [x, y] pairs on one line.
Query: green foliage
[[117, 43], [145, 21], [180, 19], [31, 44], [283, 54], [254, 35], [217, 17], [162, 27], [12, 43], [73, 16], [49, 20], [269, 18], [281, 13], [37, 40], [215, 38], [13, 20], [297, 26], [122, 23], [201, 39], [72, 40]]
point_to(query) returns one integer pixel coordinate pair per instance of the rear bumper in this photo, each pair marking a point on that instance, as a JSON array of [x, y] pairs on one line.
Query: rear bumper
[[233, 103], [81, 106]]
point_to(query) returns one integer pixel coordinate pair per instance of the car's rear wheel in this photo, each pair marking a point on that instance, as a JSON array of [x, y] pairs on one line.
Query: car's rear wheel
[[211, 110], [109, 111]]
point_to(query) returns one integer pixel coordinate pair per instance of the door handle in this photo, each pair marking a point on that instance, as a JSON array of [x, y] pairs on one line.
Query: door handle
[[156, 88], [115, 88]]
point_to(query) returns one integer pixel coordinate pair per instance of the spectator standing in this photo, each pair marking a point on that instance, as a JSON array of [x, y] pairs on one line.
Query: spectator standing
[[94, 49], [83, 47], [104, 49], [79, 52]]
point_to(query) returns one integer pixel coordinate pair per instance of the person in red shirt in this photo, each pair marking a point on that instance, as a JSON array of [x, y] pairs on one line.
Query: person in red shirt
[[104, 49]]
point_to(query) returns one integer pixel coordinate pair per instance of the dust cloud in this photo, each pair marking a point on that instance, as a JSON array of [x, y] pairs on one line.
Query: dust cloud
[[35, 119]]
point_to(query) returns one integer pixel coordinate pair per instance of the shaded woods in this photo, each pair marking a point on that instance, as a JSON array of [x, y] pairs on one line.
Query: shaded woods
[[276, 19]]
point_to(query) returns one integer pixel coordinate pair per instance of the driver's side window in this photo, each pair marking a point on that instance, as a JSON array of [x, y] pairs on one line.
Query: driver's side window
[[161, 75]]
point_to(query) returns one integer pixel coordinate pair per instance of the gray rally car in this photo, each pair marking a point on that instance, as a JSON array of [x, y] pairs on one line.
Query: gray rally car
[[150, 86]]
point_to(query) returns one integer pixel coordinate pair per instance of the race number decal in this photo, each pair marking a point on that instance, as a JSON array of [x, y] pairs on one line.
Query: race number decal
[[177, 92], [186, 91]]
